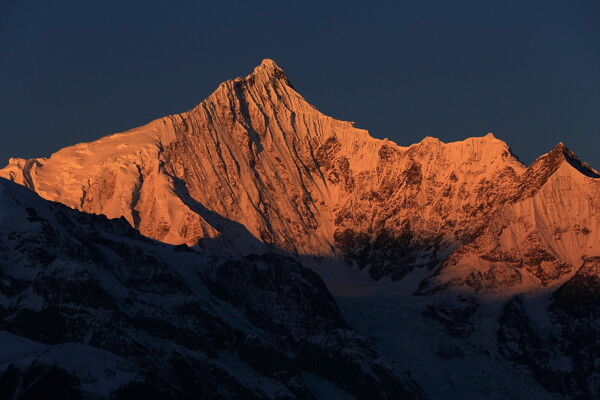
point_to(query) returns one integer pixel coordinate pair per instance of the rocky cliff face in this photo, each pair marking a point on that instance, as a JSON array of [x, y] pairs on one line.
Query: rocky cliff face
[[91, 309]]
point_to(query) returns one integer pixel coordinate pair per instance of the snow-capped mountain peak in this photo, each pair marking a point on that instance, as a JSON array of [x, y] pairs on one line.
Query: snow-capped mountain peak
[[256, 160]]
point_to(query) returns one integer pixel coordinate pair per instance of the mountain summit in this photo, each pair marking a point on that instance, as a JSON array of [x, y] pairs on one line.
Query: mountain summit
[[268, 68]]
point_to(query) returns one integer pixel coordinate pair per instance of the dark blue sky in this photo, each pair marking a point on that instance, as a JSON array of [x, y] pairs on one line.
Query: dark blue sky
[[529, 71]]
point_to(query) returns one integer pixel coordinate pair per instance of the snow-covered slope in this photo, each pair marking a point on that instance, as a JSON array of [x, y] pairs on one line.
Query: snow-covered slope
[[539, 238], [89, 308], [256, 153]]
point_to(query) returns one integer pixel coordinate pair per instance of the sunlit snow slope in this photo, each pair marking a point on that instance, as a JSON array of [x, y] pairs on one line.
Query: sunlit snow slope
[[255, 162]]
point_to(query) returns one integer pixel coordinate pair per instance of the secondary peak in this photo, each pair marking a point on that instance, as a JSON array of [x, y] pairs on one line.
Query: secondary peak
[[561, 153]]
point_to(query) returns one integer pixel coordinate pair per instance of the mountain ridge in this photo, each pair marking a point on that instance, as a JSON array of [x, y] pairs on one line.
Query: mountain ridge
[[294, 178]]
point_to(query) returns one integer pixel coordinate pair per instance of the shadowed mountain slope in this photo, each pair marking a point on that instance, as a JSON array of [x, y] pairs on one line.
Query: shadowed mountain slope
[[89, 308]]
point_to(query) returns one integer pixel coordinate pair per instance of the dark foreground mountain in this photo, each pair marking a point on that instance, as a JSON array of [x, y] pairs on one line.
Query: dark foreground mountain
[[89, 308]]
